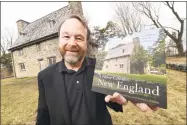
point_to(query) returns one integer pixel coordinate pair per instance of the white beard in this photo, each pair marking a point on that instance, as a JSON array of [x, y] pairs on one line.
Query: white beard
[[72, 59]]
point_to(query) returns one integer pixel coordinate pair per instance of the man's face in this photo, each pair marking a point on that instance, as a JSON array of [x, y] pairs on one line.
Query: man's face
[[73, 41]]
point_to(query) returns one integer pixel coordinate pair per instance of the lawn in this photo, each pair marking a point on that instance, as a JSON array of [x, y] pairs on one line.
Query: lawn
[[176, 59], [18, 101], [20, 97], [147, 77]]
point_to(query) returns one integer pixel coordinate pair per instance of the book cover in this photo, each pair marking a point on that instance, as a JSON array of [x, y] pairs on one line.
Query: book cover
[[134, 67]]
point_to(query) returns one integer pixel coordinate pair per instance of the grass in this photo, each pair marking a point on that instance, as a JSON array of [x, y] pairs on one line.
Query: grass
[[148, 77], [176, 59], [19, 100]]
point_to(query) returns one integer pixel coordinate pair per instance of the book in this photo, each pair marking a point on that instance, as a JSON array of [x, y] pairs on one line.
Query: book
[[135, 68]]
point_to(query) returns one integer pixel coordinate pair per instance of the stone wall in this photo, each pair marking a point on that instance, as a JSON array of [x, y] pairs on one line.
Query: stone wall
[[113, 65], [31, 56]]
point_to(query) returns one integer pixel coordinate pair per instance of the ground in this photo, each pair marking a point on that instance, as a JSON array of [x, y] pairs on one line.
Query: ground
[[176, 59], [20, 98]]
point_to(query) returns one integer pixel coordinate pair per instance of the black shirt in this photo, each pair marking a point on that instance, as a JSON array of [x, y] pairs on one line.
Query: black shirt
[[75, 95]]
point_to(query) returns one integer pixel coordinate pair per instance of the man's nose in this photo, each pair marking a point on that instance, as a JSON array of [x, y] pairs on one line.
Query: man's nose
[[72, 42]]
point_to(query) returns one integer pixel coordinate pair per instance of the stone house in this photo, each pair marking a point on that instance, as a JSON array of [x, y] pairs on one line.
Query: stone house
[[37, 44], [118, 58]]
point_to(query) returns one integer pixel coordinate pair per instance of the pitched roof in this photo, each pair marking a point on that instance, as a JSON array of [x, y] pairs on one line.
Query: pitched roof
[[118, 50], [40, 28]]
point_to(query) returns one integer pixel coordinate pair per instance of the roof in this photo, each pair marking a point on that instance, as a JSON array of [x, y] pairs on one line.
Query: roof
[[40, 28], [118, 50]]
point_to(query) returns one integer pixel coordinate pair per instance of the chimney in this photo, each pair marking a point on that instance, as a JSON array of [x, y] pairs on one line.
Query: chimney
[[136, 42], [21, 24], [75, 7]]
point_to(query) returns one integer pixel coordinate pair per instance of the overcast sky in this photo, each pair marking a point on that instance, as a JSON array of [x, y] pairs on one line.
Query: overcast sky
[[98, 13]]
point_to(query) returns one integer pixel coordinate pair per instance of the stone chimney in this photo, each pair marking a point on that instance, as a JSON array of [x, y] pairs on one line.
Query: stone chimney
[[21, 24], [75, 7], [136, 42]]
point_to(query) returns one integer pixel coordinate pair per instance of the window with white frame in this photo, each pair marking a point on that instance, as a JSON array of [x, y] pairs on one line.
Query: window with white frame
[[41, 64], [22, 66], [51, 60]]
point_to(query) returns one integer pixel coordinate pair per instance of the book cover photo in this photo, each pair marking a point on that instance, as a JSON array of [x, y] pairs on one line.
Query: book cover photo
[[135, 67]]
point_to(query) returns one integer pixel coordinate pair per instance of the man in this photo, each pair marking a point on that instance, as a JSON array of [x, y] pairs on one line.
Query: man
[[65, 96]]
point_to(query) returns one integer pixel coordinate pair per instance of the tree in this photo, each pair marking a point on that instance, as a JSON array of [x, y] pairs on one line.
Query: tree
[[101, 36], [129, 18], [6, 61], [6, 41], [139, 60], [100, 59], [5, 58], [151, 12]]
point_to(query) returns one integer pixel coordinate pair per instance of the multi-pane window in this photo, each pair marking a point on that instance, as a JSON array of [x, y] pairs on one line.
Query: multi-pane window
[[51, 60], [41, 64], [22, 66], [121, 66]]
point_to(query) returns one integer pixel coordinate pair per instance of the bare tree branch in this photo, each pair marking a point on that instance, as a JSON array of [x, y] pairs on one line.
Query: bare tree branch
[[174, 12], [172, 28], [167, 32], [149, 11], [6, 41], [128, 18]]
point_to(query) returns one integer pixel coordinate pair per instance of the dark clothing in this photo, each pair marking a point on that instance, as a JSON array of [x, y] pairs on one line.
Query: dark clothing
[[76, 99], [63, 103]]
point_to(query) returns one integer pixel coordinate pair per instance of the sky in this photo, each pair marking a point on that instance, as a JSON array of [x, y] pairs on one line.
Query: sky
[[98, 14]]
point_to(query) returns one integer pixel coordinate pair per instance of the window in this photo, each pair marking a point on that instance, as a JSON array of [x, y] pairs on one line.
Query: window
[[106, 66], [38, 46], [121, 66], [20, 52], [52, 23], [123, 50], [41, 64], [22, 66], [51, 60], [116, 59]]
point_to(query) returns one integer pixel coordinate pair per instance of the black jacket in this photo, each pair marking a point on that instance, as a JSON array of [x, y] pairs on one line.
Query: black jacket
[[52, 102]]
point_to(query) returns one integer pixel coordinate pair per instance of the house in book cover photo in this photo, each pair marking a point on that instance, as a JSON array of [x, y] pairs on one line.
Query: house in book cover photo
[[135, 67]]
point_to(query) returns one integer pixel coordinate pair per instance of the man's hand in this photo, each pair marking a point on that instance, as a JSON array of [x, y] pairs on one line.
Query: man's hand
[[118, 98]]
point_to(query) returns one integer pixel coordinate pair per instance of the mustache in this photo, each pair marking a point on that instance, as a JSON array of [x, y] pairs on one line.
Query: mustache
[[72, 48]]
